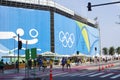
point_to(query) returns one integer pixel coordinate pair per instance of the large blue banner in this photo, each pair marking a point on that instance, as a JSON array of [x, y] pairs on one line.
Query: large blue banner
[[87, 39], [65, 34], [33, 26], [72, 36]]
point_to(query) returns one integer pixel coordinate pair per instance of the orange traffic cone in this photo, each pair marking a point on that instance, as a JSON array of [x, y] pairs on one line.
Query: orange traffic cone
[[112, 64], [106, 66], [99, 69], [51, 78], [102, 67]]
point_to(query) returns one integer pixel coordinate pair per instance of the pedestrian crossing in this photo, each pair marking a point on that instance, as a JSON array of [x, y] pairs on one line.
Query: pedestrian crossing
[[98, 74], [71, 74]]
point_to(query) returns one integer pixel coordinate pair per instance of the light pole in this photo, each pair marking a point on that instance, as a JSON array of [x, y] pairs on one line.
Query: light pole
[[18, 52], [14, 50], [97, 25], [14, 47]]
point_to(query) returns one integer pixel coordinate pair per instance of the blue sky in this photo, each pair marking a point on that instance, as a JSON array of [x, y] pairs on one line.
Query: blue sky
[[107, 18]]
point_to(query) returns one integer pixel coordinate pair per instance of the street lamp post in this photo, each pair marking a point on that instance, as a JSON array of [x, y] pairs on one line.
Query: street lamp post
[[97, 25], [18, 52], [14, 47], [99, 42]]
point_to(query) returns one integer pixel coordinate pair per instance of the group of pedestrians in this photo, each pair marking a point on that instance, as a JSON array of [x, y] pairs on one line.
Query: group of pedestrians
[[67, 62], [41, 63]]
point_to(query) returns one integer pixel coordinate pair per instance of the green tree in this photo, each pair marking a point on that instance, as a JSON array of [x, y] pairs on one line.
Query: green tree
[[105, 51], [111, 51], [118, 50]]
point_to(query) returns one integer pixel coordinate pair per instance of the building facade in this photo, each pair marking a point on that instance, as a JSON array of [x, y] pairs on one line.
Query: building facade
[[47, 26]]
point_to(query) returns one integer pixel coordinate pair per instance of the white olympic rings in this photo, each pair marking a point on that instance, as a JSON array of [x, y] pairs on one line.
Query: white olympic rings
[[66, 39]]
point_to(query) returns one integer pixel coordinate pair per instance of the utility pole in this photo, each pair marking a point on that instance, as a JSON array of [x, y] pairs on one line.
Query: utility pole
[[18, 54], [19, 47], [14, 49], [98, 27]]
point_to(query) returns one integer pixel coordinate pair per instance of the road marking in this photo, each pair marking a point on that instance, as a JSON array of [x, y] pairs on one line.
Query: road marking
[[106, 75], [96, 74], [67, 75], [44, 74], [60, 74], [74, 74], [116, 76], [85, 74]]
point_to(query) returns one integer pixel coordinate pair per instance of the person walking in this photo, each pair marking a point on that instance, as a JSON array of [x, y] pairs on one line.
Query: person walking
[[68, 63], [34, 61], [40, 63], [63, 62], [51, 63], [2, 66], [44, 64], [29, 63], [16, 63]]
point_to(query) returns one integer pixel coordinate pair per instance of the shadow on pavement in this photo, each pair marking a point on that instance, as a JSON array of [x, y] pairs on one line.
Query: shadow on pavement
[[33, 78]]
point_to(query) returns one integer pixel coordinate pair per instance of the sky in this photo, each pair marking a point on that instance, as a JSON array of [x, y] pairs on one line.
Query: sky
[[108, 17]]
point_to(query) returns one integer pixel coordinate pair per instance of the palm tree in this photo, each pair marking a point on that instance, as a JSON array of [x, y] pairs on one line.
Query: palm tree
[[105, 51], [111, 51]]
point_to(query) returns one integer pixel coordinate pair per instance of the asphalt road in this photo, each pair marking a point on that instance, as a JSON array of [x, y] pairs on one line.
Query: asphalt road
[[111, 73], [82, 72]]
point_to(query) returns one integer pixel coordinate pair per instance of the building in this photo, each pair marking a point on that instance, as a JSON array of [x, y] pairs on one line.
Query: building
[[47, 26]]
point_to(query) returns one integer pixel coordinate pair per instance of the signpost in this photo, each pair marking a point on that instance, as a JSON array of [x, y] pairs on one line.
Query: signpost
[[33, 53], [27, 54]]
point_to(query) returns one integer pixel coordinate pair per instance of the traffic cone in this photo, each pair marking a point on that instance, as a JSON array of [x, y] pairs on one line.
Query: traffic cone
[[51, 78], [102, 67], [106, 66], [112, 64], [109, 65], [99, 69]]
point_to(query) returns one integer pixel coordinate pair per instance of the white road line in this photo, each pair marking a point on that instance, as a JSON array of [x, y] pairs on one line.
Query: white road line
[[85, 74], [67, 75], [60, 74], [75, 74], [106, 75], [96, 74], [116, 76]]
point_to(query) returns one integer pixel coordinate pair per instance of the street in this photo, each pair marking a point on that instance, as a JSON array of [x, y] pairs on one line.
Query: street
[[81, 72], [89, 75], [112, 73]]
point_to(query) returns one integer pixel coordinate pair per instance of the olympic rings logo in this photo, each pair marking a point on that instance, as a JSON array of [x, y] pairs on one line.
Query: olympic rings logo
[[66, 39]]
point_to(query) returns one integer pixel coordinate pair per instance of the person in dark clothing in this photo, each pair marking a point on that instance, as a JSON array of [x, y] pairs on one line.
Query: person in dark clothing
[[35, 62], [2, 65], [40, 64], [63, 62], [17, 64], [29, 63]]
